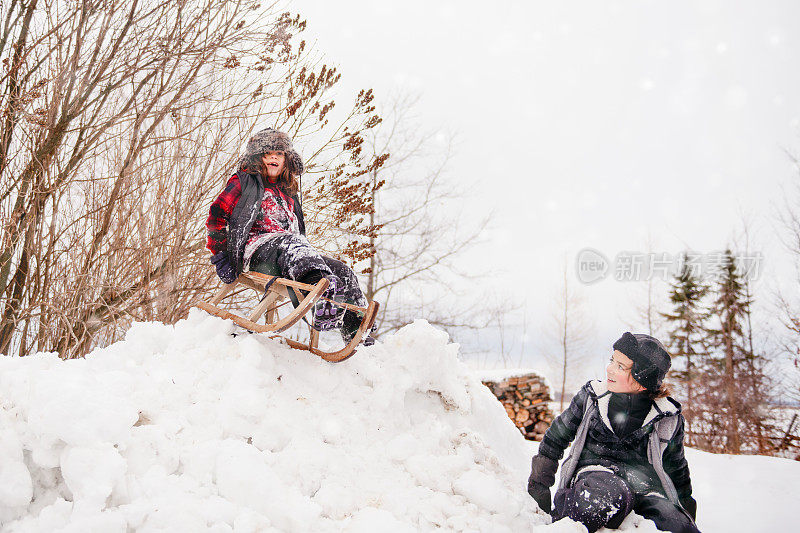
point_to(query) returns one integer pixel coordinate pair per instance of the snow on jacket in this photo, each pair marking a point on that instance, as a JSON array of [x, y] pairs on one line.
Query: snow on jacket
[[626, 456], [274, 213]]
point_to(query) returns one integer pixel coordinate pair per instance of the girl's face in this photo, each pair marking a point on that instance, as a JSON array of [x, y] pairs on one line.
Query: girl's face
[[274, 161], [618, 374]]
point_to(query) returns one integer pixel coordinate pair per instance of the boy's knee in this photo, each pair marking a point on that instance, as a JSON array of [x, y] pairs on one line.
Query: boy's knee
[[596, 499], [666, 515]]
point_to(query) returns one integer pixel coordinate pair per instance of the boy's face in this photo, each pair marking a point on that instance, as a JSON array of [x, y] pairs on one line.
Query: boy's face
[[618, 374], [274, 162]]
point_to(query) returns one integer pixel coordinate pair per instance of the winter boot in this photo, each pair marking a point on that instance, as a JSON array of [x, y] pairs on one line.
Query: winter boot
[[350, 324], [326, 315]]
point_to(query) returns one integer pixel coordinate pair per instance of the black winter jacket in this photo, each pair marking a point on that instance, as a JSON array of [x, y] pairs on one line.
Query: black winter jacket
[[627, 455], [237, 208]]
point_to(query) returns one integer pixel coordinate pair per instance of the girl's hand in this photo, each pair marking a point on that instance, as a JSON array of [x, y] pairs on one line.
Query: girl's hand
[[224, 267]]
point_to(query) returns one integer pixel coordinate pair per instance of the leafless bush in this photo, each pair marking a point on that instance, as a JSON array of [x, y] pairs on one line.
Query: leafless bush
[[121, 121]]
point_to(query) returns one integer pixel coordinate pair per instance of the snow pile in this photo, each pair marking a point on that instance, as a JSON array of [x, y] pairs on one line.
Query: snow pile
[[187, 428]]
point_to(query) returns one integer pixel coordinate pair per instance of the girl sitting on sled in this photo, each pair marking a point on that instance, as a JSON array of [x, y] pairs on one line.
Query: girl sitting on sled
[[257, 224], [627, 453]]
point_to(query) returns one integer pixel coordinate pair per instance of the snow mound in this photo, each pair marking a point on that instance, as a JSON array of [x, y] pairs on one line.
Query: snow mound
[[188, 428]]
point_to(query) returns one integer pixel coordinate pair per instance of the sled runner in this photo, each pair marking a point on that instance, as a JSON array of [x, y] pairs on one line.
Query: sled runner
[[274, 293]]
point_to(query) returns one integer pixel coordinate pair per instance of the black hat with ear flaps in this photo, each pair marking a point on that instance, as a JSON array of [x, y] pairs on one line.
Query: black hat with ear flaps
[[650, 359]]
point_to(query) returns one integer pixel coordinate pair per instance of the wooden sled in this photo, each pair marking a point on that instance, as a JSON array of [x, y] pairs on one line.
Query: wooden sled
[[275, 291]]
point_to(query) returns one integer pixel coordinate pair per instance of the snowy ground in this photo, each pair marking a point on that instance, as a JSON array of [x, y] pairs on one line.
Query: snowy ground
[[186, 428]]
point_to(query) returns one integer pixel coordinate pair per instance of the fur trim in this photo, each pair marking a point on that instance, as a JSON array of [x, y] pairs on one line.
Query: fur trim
[[666, 405], [598, 387], [602, 406], [603, 399], [271, 140]]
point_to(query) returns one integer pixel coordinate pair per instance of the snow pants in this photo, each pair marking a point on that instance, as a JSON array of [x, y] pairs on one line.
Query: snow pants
[[600, 499], [291, 256]]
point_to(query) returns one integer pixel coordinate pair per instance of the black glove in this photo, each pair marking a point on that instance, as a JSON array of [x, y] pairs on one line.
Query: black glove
[[224, 267], [541, 494], [543, 475], [690, 504]]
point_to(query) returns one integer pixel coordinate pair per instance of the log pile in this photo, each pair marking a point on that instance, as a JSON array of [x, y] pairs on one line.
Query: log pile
[[525, 400]]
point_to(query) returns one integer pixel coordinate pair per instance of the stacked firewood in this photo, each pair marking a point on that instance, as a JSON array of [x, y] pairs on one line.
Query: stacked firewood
[[525, 399]]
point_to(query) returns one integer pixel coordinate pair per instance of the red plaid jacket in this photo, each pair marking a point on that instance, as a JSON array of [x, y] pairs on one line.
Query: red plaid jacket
[[274, 220]]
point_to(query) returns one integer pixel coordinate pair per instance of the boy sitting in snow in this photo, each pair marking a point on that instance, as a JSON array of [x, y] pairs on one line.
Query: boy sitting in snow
[[628, 449]]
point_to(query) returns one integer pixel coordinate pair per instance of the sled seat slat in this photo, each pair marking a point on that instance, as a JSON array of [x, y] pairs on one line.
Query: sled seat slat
[[268, 302]]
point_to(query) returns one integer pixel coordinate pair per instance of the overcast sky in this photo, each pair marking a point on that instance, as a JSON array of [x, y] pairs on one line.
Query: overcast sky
[[608, 124]]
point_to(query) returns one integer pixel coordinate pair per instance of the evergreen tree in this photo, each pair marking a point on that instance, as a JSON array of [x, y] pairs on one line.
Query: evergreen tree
[[757, 383], [687, 332], [726, 387]]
